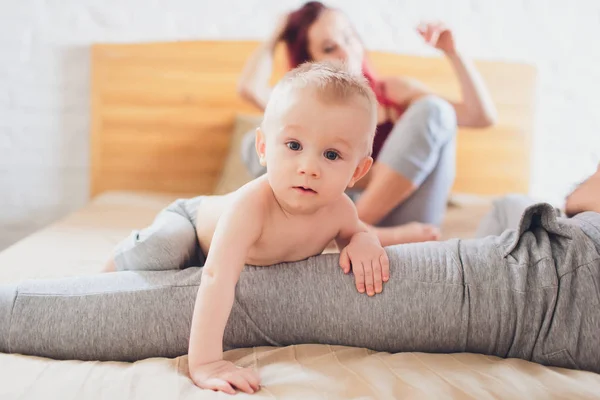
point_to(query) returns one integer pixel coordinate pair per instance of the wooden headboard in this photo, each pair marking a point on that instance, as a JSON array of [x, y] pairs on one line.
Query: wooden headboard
[[162, 115]]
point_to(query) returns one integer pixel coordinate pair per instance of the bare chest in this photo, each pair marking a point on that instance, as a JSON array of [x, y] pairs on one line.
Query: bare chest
[[286, 241]]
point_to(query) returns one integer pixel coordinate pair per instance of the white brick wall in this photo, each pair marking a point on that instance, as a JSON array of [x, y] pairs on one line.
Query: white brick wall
[[44, 71]]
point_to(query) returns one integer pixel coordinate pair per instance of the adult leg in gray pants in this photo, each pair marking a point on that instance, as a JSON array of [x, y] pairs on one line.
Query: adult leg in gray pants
[[530, 293]]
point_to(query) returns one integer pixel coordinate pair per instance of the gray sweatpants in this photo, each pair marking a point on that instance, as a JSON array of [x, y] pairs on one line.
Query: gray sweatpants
[[505, 214], [531, 293], [421, 147], [170, 242]]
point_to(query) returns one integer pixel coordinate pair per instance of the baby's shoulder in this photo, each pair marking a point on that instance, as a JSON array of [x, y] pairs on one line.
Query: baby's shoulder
[[342, 210], [346, 205], [251, 196]]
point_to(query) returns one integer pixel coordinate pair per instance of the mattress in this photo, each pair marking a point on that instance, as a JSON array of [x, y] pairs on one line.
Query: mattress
[[80, 244]]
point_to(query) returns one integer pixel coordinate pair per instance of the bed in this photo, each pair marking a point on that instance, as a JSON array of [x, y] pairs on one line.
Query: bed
[[166, 123]]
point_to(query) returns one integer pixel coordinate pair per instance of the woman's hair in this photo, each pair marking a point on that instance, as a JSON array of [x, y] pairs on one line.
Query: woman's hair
[[295, 32], [295, 37]]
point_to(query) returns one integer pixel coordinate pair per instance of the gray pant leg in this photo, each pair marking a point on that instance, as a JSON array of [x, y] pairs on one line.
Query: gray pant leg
[[170, 242], [123, 316], [529, 293], [134, 315], [537, 297], [422, 148], [575, 328], [249, 155]]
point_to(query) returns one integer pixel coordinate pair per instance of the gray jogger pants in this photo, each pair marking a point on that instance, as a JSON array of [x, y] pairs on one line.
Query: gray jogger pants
[[530, 293], [170, 242]]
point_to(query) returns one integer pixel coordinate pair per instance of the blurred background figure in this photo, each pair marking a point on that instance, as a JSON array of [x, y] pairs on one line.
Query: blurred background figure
[[414, 147]]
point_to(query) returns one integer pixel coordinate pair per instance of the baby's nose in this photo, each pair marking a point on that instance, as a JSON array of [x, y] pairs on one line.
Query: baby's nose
[[309, 168]]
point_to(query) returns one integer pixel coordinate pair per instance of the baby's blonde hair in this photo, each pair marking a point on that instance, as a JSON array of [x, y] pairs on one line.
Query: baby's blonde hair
[[332, 82]]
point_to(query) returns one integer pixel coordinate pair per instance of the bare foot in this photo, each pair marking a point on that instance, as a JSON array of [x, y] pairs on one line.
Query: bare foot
[[586, 197], [408, 233], [110, 266]]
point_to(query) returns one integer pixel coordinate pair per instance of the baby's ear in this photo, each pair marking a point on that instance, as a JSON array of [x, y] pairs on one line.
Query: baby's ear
[[361, 170], [259, 142]]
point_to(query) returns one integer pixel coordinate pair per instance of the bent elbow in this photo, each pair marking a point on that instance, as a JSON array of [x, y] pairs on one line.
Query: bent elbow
[[485, 120], [488, 121], [490, 118], [244, 92]]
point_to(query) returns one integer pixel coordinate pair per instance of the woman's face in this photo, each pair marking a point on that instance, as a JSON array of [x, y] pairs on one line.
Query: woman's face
[[332, 37]]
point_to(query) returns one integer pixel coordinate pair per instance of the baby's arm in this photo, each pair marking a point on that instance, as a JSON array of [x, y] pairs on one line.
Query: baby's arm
[[349, 223], [361, 250], [237, 230]]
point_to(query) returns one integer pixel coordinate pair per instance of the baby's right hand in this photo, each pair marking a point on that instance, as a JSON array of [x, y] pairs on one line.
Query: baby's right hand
[[224, 376]]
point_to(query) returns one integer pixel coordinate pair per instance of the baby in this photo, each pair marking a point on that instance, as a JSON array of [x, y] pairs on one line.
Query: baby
[[315, 141]]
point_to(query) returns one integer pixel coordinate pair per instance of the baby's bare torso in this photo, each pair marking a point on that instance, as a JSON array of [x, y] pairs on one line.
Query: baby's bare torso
[[283, 238]]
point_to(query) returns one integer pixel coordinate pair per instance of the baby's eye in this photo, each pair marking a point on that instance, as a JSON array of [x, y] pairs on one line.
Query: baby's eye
[[331, 155], [295, 146]]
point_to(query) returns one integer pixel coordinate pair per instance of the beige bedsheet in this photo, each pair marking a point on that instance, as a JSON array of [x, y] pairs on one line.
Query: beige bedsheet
[[80, 243]]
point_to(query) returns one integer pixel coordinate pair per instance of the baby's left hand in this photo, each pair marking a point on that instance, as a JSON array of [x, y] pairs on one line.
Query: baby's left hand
[[369, 262]]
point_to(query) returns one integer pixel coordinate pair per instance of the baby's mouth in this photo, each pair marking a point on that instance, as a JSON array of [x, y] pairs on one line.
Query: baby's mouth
[[304, 189]]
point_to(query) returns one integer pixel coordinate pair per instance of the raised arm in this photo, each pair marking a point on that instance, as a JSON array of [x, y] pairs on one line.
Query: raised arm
[[476, 109], [253, 85], [237, 230]]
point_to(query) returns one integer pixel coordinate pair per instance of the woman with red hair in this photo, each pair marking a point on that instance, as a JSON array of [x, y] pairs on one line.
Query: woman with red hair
[[414, 148]]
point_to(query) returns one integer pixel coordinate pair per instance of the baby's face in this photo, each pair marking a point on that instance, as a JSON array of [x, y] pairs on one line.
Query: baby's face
[[315, 149]]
